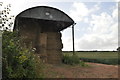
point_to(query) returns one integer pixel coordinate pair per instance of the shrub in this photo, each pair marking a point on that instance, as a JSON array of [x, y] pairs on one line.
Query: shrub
[[72, 60], [18, 61]]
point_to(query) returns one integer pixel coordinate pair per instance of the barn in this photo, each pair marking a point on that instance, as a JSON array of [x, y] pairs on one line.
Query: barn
[[40, 28]]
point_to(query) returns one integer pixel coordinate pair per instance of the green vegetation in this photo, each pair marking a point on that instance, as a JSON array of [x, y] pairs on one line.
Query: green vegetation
[[97, 57], [72, 60], [18, 61]]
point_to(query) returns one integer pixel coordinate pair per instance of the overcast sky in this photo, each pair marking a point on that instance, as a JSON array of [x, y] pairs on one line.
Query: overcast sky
[[97, 21]]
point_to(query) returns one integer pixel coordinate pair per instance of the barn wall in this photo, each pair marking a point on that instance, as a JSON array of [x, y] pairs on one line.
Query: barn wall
[[29, 32], [50, 47], [54, 46], [48, 44]]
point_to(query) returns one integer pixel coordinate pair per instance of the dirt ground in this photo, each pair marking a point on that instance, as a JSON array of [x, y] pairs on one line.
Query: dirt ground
[[93, 70]]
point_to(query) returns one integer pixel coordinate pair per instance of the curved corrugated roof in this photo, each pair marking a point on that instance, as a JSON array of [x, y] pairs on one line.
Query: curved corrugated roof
[[49, 14]]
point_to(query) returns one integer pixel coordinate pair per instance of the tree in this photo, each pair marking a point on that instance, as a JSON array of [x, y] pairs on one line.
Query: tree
[[6, 20]]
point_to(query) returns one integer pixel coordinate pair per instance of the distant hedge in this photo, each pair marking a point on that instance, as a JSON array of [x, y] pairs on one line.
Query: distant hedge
[[103, 61]]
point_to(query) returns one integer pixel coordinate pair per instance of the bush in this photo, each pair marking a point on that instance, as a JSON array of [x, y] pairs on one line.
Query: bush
[[72, 60], [18, 61]]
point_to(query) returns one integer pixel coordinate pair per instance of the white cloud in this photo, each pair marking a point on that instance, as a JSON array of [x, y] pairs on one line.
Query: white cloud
[[86, 20], [115, 13], [94, 41], [102, 33], [67, 43], [102, 23], [79, 10], [95, 7], [117, 0]]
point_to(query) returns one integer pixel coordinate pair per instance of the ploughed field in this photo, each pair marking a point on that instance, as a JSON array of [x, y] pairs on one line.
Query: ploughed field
[[104, 57]]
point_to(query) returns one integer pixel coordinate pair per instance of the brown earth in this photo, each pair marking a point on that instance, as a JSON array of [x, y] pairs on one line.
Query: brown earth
[[93, 70]]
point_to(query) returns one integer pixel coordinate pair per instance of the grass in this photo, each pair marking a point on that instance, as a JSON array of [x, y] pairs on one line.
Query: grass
[[97, 57], [73, 60]]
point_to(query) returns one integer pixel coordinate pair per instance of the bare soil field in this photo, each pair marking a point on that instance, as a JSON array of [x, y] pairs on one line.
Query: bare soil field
[[93, 70]]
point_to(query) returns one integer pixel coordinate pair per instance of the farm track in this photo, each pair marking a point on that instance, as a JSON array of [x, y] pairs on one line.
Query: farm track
[[94, 70]]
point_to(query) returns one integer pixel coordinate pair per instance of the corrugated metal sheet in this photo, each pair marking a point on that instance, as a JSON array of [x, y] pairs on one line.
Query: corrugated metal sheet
[[50, 15], [47, 13]]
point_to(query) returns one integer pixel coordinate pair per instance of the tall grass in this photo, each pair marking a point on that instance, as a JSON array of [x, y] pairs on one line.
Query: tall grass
[[72, 60]]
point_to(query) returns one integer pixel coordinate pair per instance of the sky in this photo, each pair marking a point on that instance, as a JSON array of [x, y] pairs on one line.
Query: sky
[[96, 21]]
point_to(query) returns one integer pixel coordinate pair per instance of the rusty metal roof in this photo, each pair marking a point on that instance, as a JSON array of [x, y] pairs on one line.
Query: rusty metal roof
[[49, 15]]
